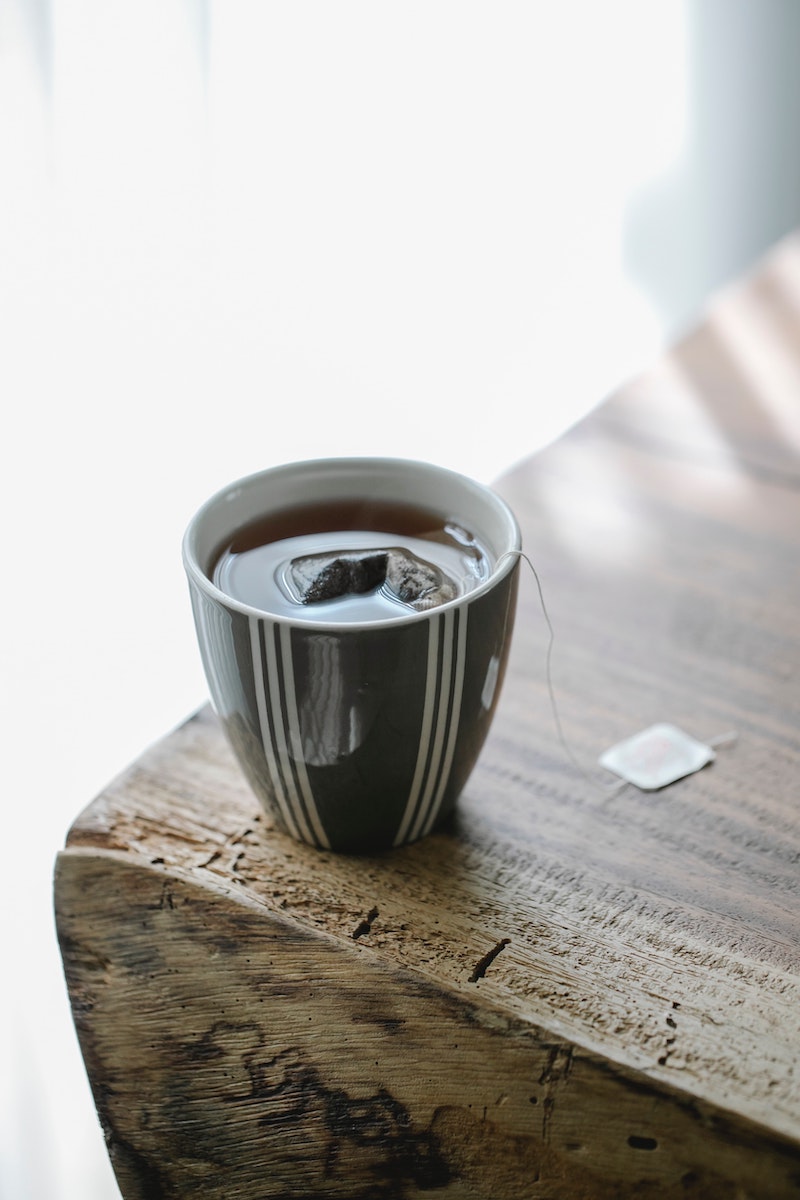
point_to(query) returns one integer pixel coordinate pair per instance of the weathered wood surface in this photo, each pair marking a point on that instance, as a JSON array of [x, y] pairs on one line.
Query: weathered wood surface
[[571, 992]]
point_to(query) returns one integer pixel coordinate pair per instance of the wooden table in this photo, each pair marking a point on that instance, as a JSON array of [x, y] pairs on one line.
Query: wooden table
[[572, 991]]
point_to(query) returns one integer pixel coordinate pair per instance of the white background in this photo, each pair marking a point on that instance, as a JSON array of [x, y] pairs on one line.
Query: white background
[[234, 233]]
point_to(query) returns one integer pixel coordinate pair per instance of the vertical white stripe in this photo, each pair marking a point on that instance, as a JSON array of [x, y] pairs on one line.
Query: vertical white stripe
[[296, 740], [441, 724], [280, 741], [455, 717], [425, 729], [263, 720]]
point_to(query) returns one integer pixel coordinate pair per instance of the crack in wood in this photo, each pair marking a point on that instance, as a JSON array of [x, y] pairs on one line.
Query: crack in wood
[[637, 1142], [483, 965], [554, 1076], [364, 927]]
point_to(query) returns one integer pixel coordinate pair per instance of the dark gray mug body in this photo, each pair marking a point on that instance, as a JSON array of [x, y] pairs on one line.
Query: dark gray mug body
[[356, 737]]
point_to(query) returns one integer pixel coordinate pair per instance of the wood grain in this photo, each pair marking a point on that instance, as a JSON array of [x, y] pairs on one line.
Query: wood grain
[[571, 991]]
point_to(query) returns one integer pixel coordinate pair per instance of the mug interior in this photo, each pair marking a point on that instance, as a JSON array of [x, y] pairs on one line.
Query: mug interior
[[447, 493]]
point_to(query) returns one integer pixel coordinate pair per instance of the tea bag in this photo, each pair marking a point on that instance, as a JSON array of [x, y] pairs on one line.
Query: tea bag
[[417, 582], [403, 575], [318, 577]]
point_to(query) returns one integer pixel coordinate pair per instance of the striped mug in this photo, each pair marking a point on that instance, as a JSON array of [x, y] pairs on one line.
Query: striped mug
[[357, 735]]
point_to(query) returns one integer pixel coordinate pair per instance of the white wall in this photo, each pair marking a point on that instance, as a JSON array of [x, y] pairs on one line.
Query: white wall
[[236, 233]]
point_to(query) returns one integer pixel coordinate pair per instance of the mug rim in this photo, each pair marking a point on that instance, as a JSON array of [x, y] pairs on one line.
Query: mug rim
[[232, 490]]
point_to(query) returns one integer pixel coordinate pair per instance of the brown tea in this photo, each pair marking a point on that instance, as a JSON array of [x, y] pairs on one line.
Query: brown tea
[[351, 560]]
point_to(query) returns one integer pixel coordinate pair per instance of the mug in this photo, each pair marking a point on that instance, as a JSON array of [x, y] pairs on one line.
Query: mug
[[356, 736]]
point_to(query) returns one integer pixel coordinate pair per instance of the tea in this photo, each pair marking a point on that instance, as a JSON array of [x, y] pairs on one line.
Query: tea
[[350, 561]]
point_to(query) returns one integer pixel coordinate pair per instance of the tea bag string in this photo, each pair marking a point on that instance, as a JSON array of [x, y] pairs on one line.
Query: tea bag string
[[605, 786]]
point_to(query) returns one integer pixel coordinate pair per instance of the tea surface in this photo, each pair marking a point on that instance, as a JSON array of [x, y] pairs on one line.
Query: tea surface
[[262, 563]]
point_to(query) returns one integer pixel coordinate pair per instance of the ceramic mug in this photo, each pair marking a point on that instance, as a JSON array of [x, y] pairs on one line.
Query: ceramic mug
[[356, 736]]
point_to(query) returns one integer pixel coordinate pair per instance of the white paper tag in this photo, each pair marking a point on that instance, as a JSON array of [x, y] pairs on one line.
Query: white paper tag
[[657, 756]]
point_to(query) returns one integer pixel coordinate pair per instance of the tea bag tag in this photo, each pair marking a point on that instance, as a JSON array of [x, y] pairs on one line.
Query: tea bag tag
[[656, 757]]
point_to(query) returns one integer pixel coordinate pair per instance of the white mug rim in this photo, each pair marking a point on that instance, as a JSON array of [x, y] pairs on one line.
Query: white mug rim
[[505, 562]]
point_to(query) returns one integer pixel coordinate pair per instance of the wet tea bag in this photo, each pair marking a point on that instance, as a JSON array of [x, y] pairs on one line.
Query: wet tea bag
[[406, 577], [656, 757]]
